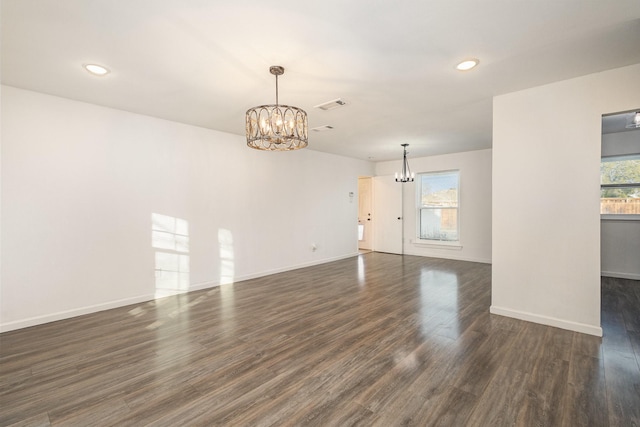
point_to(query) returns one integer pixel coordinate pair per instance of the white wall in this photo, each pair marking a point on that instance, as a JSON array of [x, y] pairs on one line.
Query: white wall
[[475, 204], [80, 183], [620, 246], [546, 222], [620, 239]]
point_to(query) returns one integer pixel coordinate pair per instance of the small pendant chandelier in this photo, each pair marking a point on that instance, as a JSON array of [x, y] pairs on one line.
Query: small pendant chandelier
[[276, 127], [406, 175], [634, 121]]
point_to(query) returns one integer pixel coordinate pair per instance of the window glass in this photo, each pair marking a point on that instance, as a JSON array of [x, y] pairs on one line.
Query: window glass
[[620, 185], [438, 206]]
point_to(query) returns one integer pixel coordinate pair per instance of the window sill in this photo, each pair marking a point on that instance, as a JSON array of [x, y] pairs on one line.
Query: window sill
[[620, 217], [437, 244]]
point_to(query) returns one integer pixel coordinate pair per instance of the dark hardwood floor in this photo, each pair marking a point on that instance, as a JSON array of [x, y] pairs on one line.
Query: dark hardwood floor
[[376, 339]]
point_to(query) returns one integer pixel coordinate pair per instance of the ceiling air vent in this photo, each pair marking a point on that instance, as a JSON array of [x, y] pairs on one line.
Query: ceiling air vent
[[322, 128], [331, 104]]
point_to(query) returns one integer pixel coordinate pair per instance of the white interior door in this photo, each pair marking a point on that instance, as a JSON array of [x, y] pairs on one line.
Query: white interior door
[[365, 219], [387, 210]]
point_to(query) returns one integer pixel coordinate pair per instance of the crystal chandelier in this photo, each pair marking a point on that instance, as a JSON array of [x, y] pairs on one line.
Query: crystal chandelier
[[276, 127], [406, 175]]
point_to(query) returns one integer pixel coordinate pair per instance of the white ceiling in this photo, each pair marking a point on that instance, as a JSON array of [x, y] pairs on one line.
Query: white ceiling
[[205, 62]]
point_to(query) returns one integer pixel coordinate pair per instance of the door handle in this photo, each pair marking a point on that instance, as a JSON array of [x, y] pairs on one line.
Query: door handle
[[399, 217]]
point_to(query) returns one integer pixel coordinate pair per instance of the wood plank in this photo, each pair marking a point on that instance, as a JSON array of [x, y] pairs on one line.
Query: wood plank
[[377, 339], [500, 403], [585, 401]]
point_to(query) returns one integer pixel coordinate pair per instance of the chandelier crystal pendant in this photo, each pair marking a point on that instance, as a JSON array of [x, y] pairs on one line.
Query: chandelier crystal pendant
[[406, 175], [276, 127]]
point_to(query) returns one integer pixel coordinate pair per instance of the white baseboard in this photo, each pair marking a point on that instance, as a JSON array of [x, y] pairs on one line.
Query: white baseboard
[[61, 315], [448, 255], [549, 321], [294, 267], [631, 276], [39, 320]]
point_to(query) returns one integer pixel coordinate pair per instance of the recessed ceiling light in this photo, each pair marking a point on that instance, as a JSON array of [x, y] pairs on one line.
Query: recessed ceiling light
[[467, 64], [96, 70]]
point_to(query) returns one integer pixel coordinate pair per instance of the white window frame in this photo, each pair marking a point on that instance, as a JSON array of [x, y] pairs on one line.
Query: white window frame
[[453, 244]]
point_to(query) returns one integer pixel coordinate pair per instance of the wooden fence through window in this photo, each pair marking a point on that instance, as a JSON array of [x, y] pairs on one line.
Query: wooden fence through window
[[628, 206]]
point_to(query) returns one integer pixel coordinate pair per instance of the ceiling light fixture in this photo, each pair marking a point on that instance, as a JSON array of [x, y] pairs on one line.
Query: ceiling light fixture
[[406, 175], [467, 64], [634, 123], [96, 70], [322, 128], [330, 105], [276, 127]]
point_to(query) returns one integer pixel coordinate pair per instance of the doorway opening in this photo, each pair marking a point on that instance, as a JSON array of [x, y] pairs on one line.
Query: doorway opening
[[365, 219], [620, 195]]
